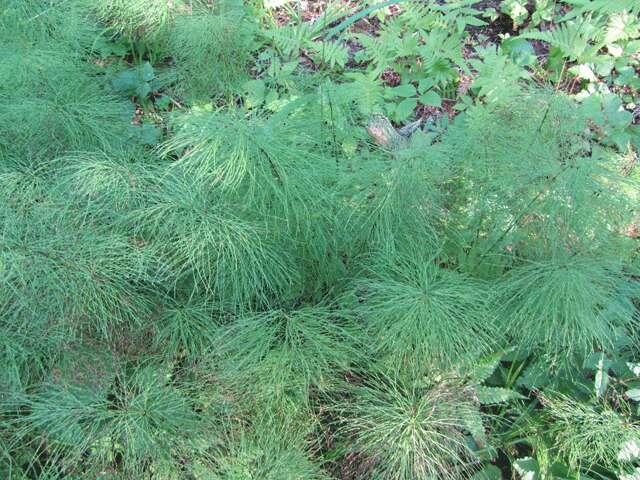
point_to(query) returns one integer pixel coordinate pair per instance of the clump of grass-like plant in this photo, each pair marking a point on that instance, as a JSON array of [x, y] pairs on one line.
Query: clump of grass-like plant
[[212, 51], [568, 304], [134, 425], [415, 308], [146, 19], [287, 352], [591, 434], [201, 242], [267, 453], [406, 427]]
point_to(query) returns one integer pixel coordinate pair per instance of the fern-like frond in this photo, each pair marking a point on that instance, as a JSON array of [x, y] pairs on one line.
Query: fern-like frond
[[579, 40]]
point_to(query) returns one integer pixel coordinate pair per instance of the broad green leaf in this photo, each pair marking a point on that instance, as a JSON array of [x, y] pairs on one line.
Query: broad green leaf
[[406, 90], [527, 468], [125, 81], [405, 108], [493, 395], [633, 394], [134, 81], [630, 450], [488, 472], [584, 71], [146, 134], [146, 72], [517, 46], [425, 84], [143, 90], [431, 98], [255, 93], [162, 102]]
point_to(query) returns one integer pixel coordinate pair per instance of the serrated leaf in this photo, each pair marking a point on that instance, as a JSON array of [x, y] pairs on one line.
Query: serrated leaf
[[406, 90], [633, 394], [629, 451], [431, 98], [493, 395], [405, 108], [473, 422], [425, 84], [527, 468], [485, 367]]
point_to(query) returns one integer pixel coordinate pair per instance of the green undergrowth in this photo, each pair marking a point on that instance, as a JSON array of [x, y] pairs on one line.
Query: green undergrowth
[[209, 270]]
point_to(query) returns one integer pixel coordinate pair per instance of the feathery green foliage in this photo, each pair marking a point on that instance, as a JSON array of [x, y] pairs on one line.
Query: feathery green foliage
[[241, 240], [568, 304], [139, 421], [287, 350], [415, 309], [201, 244], [212, 51], [402, 428], [590, 434], [140, 19]]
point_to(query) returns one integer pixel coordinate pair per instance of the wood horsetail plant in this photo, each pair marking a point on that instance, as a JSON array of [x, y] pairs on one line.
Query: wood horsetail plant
[[273, 240]]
